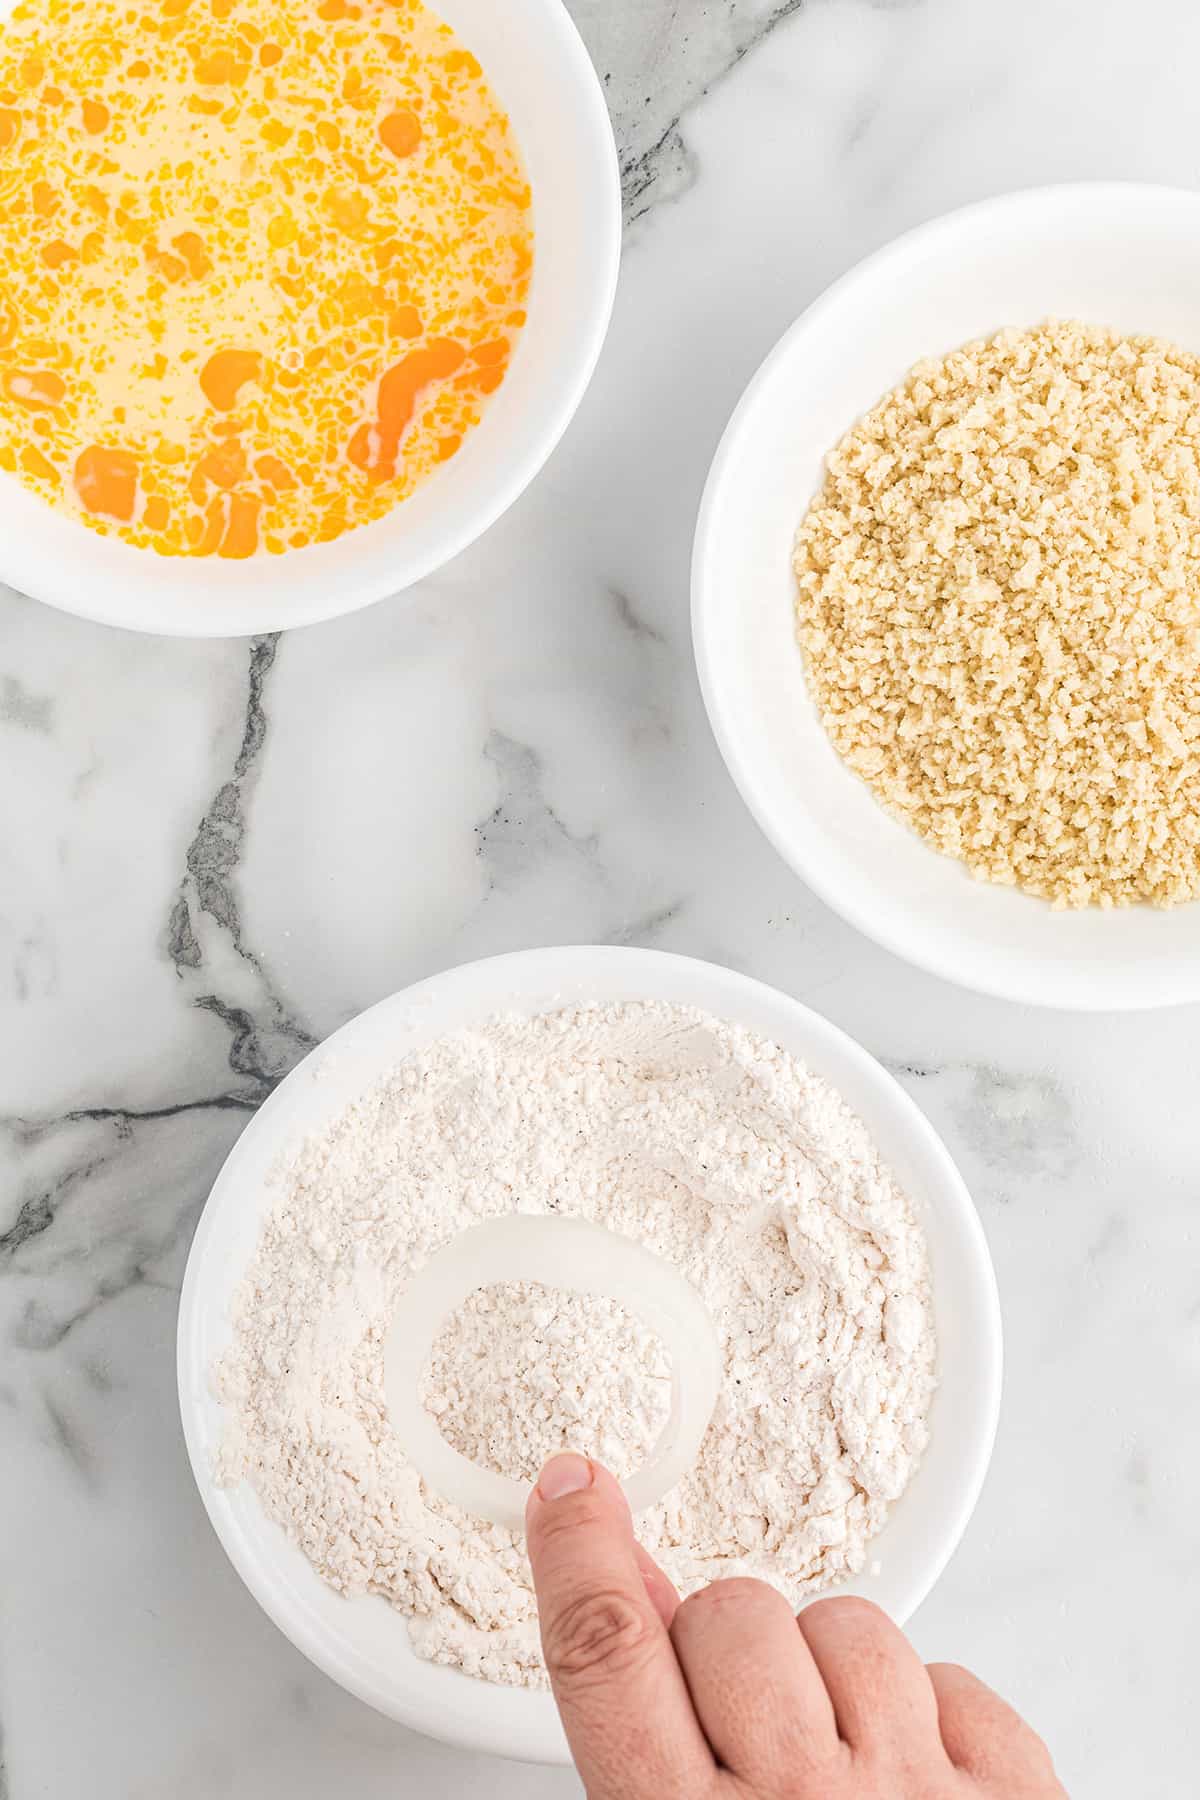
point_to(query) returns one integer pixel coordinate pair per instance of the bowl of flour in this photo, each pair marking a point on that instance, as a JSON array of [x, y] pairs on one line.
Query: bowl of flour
[[742, 1140]]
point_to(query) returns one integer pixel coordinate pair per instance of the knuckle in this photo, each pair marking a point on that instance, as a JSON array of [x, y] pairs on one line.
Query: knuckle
[[848, 1609], [857, 1631], [738, 1593], [950, 1672], [597, 1637]]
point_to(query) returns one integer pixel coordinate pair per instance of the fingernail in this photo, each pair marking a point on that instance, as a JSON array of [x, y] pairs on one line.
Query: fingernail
[[565, 1474]]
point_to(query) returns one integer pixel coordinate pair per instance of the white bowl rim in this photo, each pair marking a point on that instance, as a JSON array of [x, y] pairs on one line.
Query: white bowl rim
[[1066, 994], [537, 1735], [58, 588]]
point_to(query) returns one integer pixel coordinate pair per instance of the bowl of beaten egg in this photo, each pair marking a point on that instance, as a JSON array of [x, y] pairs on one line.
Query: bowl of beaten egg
[[987, 754], [296, 296]]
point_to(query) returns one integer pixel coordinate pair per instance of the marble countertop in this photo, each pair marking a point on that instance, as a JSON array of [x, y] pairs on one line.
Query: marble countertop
[[213, 854]]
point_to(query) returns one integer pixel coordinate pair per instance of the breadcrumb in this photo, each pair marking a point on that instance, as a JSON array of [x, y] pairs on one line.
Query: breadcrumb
[[999, 608]]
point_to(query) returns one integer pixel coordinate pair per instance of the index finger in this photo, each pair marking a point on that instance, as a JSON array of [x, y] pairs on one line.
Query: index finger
[[624, 1702]]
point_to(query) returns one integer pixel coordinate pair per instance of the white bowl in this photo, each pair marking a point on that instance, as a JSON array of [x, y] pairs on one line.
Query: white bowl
[[363, 1644], [536, 62], [1118, 255]]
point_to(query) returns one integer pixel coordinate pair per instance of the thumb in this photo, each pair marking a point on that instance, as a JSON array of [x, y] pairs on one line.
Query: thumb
[[623, 1699]]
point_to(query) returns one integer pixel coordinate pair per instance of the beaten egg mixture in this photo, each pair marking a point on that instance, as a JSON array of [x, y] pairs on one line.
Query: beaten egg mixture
[[261, 262]]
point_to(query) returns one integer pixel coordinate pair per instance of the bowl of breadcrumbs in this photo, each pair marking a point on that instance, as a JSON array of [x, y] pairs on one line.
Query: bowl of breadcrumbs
[[946, 596]]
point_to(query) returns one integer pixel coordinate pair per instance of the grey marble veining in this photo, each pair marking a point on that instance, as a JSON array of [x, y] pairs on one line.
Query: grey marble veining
[[213, 854], [656, 62]]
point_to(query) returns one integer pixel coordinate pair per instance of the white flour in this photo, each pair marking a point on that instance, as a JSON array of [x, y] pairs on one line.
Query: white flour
[[523, 1370], [711, 1146]]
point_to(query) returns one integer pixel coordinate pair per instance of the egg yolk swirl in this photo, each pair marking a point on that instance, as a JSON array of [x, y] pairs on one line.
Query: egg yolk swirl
[[262, 262]]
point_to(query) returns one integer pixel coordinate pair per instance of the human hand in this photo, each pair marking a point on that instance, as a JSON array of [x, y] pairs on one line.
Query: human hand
[[727, 1696]]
